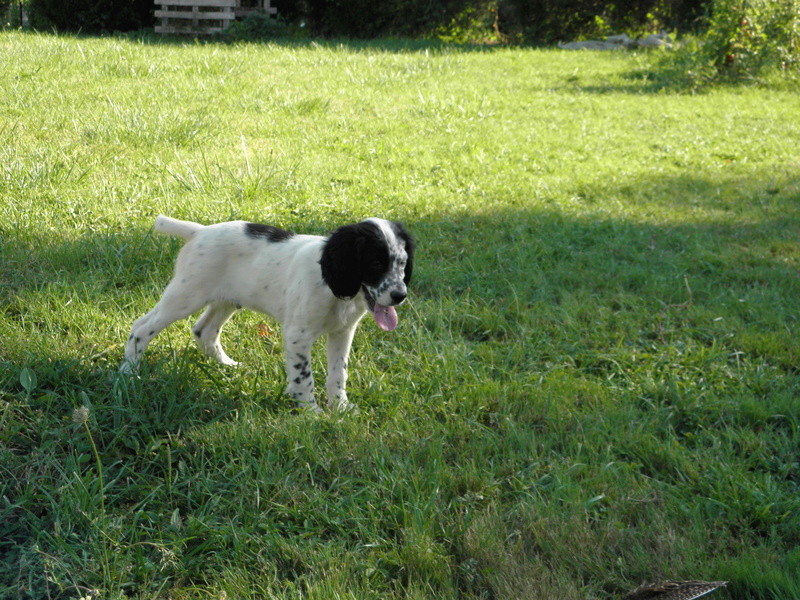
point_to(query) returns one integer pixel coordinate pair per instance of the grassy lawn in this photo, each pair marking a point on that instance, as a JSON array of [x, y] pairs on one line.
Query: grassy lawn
[[594, 382]]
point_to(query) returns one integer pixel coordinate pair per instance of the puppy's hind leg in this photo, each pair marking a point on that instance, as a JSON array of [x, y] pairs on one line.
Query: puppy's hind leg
[[207, 330], [173, 306]]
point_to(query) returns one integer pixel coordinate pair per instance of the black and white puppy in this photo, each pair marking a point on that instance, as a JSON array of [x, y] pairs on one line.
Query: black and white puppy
[[312, 285]]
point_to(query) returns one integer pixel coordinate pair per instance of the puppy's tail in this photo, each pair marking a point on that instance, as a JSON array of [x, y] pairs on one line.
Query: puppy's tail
[[168, 225]]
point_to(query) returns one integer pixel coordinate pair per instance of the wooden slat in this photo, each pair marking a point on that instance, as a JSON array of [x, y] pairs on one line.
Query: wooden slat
[[185, 30], [243, 12], [220, 3], [189, 15]]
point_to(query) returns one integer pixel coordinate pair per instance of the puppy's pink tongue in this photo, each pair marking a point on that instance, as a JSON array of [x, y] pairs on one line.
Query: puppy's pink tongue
[[385, 316]]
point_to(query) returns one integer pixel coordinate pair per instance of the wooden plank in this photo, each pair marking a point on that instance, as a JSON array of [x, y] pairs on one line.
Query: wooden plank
[[185, 30], [220, 3], [243, 12], [188, 15]]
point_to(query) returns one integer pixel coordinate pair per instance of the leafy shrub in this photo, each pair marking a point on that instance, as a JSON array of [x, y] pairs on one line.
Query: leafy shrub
[[743, 40], [91, 16], [260, 26], [475, 24], [744, 36]]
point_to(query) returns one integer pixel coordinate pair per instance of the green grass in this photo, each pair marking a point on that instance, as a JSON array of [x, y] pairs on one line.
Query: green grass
[[594, 382]]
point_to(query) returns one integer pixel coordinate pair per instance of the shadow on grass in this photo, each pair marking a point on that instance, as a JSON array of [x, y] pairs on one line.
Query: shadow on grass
[[656, 76], [735, 232]]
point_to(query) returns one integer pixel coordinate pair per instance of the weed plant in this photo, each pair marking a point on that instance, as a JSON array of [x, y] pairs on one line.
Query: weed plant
[[594, 382]]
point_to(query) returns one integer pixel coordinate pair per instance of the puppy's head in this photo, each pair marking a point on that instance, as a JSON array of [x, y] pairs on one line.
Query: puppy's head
[[375, 256]]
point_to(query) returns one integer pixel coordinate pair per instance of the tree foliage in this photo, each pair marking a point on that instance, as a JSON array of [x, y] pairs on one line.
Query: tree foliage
[[528, 21], [91, 16], [522, 21]]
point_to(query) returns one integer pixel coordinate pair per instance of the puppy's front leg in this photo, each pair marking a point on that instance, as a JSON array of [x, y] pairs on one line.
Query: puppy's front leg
[[339, 343], [300, 386]]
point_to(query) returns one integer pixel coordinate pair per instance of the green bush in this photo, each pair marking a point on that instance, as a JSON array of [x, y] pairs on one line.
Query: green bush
[[260, 26], [745, 36], [743, 40], [473, 25]]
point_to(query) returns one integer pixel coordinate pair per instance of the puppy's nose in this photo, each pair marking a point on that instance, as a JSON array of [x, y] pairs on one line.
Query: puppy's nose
[[398, 297]]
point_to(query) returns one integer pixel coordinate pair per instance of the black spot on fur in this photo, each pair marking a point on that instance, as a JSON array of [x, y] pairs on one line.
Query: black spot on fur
[[268, 232]]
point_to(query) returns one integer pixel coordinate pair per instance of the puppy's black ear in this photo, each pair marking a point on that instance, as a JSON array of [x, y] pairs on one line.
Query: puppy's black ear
[[341, 261], [410, 246]]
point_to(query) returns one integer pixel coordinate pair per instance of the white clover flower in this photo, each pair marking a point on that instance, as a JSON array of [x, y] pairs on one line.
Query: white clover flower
[[80, 415]]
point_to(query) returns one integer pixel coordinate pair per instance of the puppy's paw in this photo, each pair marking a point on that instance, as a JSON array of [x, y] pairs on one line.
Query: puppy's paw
[[128, 368], [311, 407], [218, 354], [341, 406]]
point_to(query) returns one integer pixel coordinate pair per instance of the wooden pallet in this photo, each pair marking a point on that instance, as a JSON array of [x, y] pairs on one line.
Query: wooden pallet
[[201, 17]]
